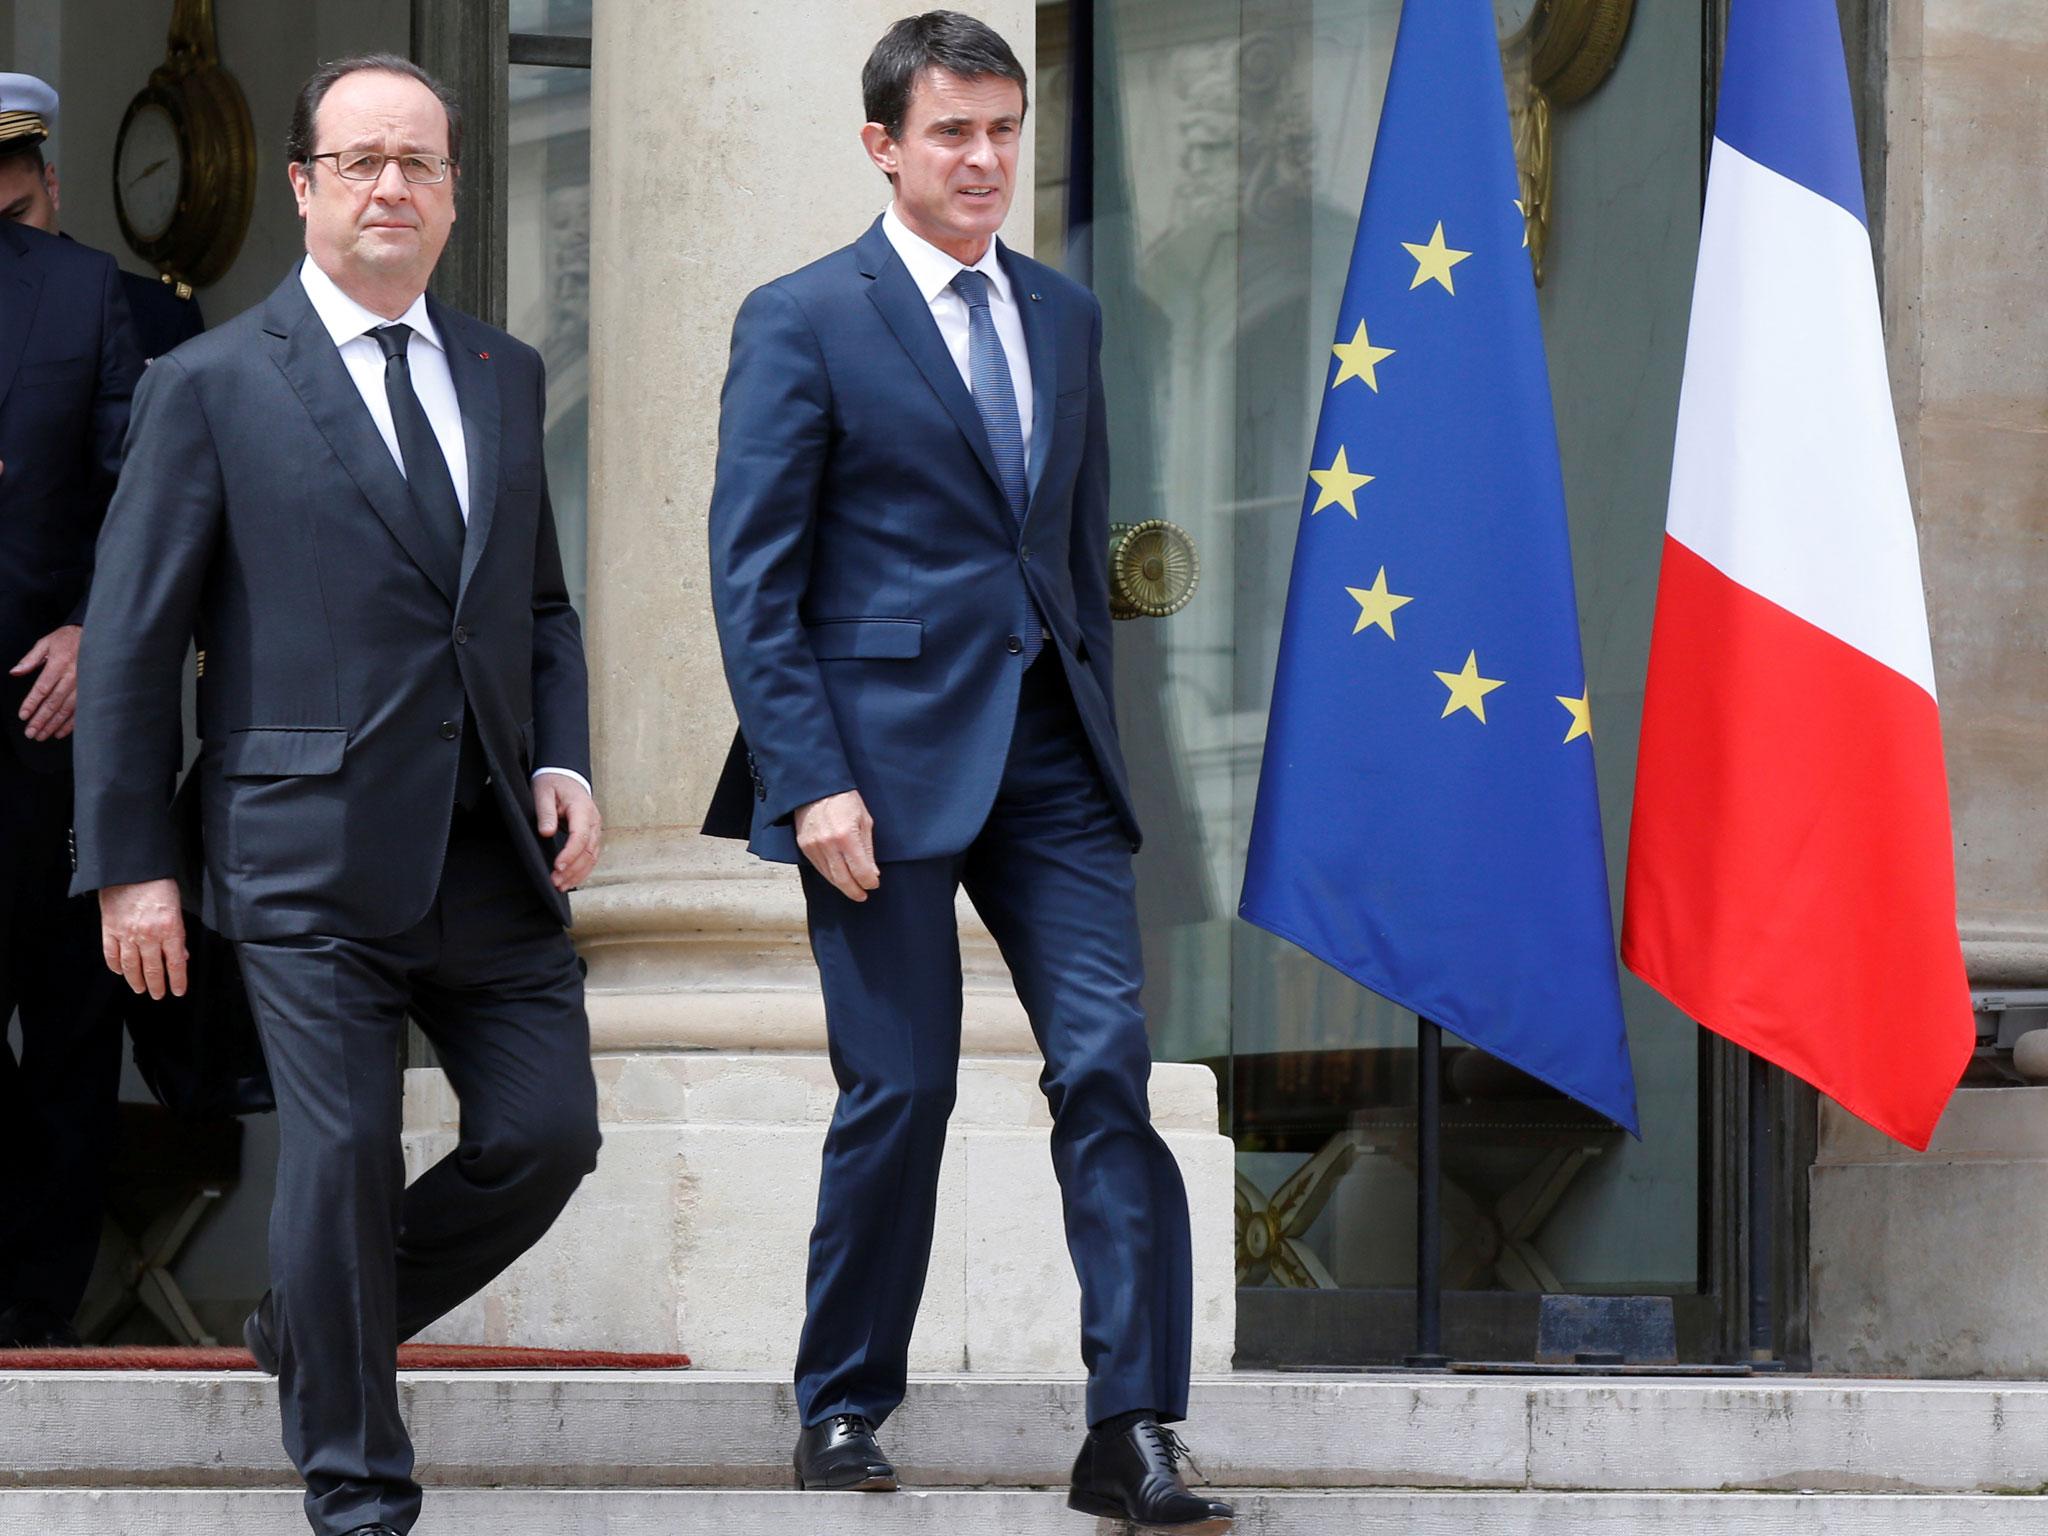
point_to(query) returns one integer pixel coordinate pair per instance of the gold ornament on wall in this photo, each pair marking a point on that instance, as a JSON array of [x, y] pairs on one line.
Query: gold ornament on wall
[[1556, 53], [185, 157]]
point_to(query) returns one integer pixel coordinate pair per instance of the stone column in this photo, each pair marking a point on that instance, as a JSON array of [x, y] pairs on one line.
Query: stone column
[[725, 152], [1920, 1262]]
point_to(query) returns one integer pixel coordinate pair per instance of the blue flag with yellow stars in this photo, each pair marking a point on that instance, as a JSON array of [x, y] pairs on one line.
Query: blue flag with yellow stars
[[1427, 820]]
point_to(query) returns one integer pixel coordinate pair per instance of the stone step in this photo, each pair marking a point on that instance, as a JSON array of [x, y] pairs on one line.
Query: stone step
[[973, 1512], [700, 1429]]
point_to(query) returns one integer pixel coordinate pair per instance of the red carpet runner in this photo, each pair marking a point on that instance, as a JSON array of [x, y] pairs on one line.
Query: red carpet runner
[[411, 1357]]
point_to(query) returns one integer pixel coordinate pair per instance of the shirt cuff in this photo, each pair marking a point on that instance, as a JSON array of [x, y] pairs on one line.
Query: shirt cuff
[[569, 773]]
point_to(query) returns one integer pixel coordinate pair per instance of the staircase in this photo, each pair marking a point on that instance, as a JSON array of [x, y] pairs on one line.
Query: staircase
[[605, 1453]]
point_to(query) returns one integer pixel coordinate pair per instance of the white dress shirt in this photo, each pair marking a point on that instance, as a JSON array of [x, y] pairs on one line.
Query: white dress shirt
[[932, 270], [350, 325]]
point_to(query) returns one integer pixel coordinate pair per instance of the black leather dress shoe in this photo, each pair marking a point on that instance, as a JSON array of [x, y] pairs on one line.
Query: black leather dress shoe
[[841, 1453], [1132, 1476], [34, 1326], [374, 1530], [258, 1334]]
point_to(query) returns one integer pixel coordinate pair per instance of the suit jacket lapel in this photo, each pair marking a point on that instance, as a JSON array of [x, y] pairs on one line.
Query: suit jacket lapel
[[21, 283], [311, 362], [910, 317], [1038, 344], [476, 390]]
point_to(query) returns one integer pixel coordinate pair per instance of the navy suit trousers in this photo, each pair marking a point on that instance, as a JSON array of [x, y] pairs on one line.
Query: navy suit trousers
[[57, 1102], [1050, 873], [359, 1260]]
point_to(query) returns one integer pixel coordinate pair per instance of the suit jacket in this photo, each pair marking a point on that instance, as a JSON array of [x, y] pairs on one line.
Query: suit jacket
[[260, 512], [869, 578], [67, 368]]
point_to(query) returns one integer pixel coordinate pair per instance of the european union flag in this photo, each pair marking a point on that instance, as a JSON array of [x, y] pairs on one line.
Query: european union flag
[[1427, 820]]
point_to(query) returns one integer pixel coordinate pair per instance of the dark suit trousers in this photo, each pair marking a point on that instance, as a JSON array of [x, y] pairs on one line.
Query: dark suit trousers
[[57, 1115], [1050, 873], [358, 1261]]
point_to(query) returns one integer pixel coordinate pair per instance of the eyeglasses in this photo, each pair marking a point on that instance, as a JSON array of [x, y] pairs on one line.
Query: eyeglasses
[[368, 165]]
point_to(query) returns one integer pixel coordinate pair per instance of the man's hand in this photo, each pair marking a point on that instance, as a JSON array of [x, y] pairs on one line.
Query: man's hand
[[838, 836], [142, 935], [559, 799], [53, 701]]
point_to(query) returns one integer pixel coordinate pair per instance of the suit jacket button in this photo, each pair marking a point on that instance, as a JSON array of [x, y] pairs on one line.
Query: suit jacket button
[[1025, 554], [760, 790], [448, 730], [1014, 646], [461, 635]]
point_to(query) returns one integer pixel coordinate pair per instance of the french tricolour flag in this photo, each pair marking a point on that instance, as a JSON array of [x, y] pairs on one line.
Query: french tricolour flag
[[1791, 882]]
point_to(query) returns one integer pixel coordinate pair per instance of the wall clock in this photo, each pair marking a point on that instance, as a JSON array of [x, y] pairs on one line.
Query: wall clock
[[185, 157]]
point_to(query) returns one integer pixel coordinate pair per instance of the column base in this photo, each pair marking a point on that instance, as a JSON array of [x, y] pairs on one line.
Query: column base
[[1928, 1264], [691, 1235]]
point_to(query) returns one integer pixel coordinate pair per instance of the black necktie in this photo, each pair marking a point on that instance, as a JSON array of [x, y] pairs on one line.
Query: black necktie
[[433, 497], [426, 468]]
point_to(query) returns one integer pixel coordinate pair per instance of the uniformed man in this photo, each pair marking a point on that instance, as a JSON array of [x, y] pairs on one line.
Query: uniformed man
[[68, 364], [162, 309]]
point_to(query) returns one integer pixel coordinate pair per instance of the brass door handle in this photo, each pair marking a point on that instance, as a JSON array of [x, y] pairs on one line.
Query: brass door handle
[[1153, 569]]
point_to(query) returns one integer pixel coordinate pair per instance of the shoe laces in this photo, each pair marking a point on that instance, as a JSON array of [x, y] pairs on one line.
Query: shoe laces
[[1175, 1449], [852, 1424]]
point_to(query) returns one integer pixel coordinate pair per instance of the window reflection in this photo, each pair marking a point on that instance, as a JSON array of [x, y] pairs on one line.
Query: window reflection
[[547, 255]]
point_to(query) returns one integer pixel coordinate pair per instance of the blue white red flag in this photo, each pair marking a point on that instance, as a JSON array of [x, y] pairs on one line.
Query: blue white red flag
[[1791, 882]]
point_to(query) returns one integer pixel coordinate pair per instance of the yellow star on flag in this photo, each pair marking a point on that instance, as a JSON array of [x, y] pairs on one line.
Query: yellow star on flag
[[1339, 486], [1357, 358], [1434, 260], [1582, 714], [1468, 688], [1376, 605]]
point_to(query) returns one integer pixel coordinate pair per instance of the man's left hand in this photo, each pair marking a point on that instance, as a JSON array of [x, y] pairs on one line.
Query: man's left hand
[[558, 801], [53, 701]]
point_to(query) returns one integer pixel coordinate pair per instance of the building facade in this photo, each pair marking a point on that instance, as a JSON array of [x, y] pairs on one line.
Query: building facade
[[636, 166]]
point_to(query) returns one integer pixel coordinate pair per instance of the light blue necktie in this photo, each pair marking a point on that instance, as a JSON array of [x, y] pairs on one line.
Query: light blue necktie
[[988, 376]]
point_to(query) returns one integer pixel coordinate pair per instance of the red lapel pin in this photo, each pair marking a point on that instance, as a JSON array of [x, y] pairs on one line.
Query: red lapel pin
[[484, 356]]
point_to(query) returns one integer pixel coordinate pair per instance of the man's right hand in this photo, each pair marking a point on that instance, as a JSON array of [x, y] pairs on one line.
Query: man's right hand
[[142, 935], [838, 836]]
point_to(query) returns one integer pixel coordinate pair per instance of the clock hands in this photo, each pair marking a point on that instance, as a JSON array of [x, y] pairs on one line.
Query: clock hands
[[149, 170]]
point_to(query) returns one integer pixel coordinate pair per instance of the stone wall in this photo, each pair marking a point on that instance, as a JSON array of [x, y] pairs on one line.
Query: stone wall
[[1965, 251]]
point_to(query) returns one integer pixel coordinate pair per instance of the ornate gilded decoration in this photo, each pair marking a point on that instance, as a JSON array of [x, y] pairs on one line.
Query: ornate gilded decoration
[[1269, 1230], [1153, 569], [1558, 56], [185, 157]]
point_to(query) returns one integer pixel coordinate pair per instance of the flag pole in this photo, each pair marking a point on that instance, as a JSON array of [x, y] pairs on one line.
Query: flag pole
[[1763, 1352], [1429, 1230]]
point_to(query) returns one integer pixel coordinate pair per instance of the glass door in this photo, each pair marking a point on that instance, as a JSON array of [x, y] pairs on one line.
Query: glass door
[[1207, 180]]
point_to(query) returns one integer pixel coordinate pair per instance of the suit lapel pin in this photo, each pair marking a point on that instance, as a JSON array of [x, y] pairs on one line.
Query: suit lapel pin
[[484, 357], [1034, 298]]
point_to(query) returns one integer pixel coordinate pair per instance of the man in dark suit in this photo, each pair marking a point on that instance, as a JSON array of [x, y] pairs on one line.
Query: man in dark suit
[[909, 567], [341, 495], [67, 368], [161, 311]]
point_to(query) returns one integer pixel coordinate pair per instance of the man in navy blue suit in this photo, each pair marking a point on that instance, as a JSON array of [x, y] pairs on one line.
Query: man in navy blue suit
[[909, 567], [67, 369]]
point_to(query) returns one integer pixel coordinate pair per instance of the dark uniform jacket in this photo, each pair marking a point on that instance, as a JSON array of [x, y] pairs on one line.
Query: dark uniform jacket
[[67, 368]]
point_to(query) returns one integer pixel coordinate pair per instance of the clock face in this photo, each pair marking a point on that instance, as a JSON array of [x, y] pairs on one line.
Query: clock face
[[148, 172]]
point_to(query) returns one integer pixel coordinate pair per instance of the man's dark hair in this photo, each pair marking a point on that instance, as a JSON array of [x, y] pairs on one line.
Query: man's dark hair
[[30, 150], [298, 141], [945, 39]]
